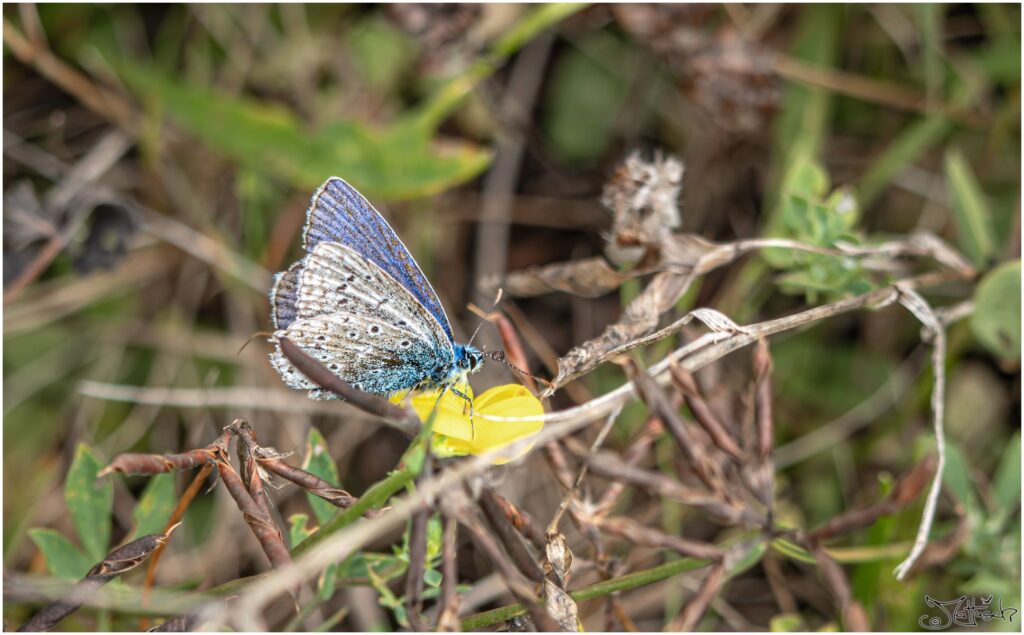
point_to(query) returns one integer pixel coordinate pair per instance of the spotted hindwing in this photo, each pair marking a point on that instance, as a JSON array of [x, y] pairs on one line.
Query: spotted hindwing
[[362, 325]]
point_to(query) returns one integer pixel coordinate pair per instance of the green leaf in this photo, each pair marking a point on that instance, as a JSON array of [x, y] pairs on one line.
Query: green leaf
[[318, 461], [380, 52], [155, 505], [396, 161], [89, 502], [1006, 482], [298, 528], [996, 317], [386, 565], [970, 209], [63, 559], [435, 537], [433, 577]]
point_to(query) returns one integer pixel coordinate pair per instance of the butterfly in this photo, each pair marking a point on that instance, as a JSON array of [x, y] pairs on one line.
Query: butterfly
[[360, 304]]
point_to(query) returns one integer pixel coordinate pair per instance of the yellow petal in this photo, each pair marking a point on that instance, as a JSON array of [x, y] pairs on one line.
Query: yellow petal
[[510, 400], [457, 434], [452, 411]]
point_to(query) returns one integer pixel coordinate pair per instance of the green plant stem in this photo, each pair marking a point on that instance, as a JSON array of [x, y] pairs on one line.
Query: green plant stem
[[601, 589], [372, 499], [409, 467]]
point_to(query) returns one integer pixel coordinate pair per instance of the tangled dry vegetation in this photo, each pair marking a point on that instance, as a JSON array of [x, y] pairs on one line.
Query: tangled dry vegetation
[[746, 396], [727, 475]]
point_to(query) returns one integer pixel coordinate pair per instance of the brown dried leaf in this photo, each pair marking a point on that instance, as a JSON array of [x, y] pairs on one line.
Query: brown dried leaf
[[559, 605], [588, 278]]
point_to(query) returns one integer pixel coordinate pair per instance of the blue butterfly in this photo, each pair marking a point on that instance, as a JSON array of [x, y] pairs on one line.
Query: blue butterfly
[[359, 303]]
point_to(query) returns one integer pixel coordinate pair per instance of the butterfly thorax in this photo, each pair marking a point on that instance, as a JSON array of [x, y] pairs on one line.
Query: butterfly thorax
[[468, 359]]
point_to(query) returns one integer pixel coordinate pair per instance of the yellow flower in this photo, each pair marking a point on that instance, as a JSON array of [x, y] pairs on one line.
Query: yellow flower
[[456, 435]]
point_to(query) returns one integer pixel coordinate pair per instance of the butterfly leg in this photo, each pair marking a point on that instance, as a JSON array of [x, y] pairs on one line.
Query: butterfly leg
[[469, 403]]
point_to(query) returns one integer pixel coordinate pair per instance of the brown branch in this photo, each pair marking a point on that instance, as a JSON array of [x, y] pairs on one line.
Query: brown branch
[[658, 404], [118, 561], [763, 402], [414, 573], [852, 613], [608, 465], [514, 350], [521, 520], [310, 482], [639, 534], [266, 532], [639, 449], [456, 503], [247, 449], [907, 488], [175, 518], [418, 552], [707, 419], [689, 618], [448, 613], [509, 537]]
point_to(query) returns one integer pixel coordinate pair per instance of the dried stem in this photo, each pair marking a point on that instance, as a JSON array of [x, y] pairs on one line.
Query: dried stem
[[447, 617], [694, 610], [118, 561], [414, 573], [519, 518], [509, 537], [179, 512], [456, 503], [264, 528], [703, 414]]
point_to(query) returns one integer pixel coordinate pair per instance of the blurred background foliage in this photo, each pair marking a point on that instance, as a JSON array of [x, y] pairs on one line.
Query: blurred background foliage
[[817, 122]]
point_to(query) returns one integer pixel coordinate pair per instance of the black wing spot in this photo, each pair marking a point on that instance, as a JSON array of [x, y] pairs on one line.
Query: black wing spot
[[321, 338], [352, 335], [350, 277], [406, 344], [375, 329]]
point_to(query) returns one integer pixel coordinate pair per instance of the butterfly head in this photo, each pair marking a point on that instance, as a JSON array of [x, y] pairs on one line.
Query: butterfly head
[[468, 358]]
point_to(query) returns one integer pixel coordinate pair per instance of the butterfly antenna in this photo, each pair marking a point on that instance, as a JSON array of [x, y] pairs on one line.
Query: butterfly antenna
[[252, 337], [483, 315], [499, 356]]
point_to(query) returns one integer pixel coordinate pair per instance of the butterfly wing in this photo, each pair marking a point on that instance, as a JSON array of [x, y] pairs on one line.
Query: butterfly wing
[[340, 214], [284, 296], [362, 325]]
